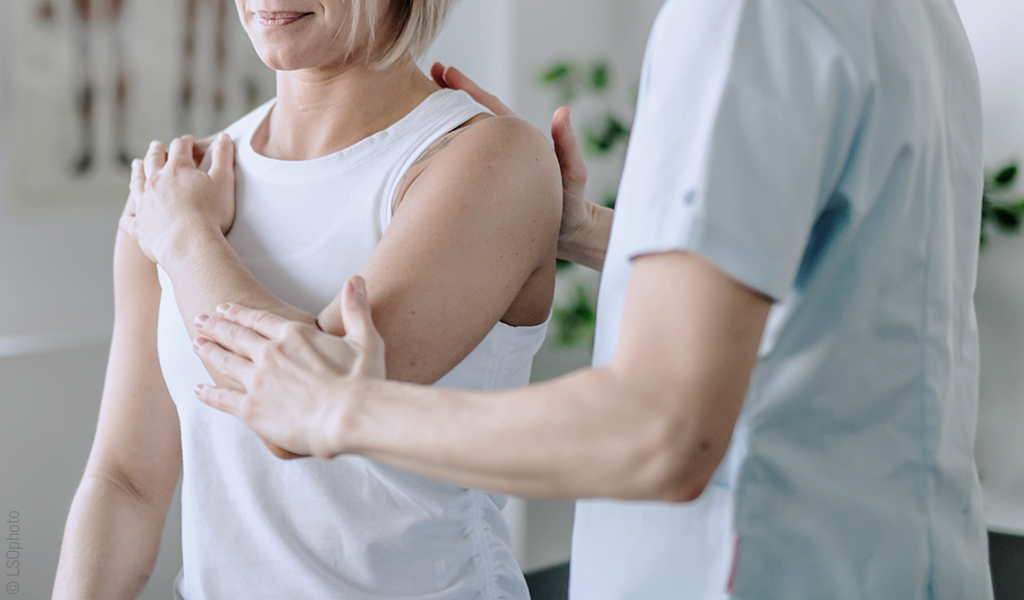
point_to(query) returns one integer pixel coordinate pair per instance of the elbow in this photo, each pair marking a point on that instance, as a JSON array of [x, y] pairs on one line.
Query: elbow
[[682, 492], [677, 465], [677, 480], [668, 449]]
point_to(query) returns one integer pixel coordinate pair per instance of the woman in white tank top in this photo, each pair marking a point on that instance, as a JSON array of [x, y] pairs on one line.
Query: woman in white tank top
[[361, 165]]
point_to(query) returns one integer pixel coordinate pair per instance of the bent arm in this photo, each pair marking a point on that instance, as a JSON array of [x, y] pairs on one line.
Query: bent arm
[[176, 216], [472, 241], [113, 531], [653, 424], [205, 272]]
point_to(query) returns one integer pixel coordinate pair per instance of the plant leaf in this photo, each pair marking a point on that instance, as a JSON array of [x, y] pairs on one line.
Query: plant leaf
[[1006, 219], [605, 140], [600, 77], [1006, 176], [559, 72], [576, 321]]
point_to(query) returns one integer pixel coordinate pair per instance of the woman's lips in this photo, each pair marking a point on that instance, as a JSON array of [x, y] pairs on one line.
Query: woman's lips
[[279, 19]]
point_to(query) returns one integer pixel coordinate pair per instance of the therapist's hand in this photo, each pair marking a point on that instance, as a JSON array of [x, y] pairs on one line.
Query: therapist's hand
[[171, 198], [290, 371], [577, 211]]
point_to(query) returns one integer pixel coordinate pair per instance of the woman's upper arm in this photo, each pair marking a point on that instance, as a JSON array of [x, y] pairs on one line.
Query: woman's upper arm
[[137, 442], [473, 241]]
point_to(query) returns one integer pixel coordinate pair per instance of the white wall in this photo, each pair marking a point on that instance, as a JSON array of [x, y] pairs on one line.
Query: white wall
[[56, 309], [49, 405], [56, 314], [995, 27]]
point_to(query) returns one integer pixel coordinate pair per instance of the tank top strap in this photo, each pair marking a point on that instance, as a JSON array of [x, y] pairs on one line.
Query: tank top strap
[[438, 115]]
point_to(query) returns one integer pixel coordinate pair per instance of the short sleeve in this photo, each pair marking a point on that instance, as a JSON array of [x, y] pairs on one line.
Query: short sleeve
[[746, 116]]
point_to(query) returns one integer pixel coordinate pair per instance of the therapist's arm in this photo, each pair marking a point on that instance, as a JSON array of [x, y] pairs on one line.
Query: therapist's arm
[[586, 227], [653, 424]]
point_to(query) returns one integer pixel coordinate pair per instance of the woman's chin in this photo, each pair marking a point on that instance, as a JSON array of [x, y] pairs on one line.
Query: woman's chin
[[283, 61]]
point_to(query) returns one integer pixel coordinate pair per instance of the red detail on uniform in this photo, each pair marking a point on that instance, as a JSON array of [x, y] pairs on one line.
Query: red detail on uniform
[[732, 570]]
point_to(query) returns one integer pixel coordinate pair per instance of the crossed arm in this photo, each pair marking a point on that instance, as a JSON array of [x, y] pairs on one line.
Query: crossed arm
[[653, 424], [491, 195], [114, 527]]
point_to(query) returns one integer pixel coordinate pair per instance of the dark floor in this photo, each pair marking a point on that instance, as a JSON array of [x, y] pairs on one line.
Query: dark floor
[[549, 584], [1007, 558]]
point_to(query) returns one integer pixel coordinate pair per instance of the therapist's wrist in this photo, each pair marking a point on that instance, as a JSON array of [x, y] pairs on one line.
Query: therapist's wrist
[[341, 426], [587, 243]]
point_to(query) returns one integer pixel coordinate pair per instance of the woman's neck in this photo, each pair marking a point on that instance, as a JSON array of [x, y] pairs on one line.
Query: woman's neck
[[319, 113]]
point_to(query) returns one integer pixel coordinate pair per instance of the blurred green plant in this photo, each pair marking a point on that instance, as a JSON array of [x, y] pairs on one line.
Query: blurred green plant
[[999, 208], [575, 320], [571, 78], [605, 139]]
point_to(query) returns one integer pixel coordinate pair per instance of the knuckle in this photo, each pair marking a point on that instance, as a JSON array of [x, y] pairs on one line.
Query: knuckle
[[247, 408], [277, 347], [265, 352], [260, 318], [292, 330]]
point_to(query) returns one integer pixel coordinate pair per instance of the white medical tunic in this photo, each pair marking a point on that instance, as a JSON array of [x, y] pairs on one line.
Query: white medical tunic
[[826, 153]]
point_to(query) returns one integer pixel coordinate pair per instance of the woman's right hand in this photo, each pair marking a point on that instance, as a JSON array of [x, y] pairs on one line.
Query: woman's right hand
[[171, 198], [577, 211]]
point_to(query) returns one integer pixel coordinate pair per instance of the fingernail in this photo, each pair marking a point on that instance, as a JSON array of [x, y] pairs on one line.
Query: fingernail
[[201, 320], [154, 143], [136, 164], [223, 308], [199, 389], [359, 286], [223, 138]]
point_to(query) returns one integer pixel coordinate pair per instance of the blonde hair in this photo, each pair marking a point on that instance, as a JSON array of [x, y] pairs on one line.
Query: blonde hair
[[416, 25]]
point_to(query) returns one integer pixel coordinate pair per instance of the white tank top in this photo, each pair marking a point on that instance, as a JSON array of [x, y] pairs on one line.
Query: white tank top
[[254, 526]]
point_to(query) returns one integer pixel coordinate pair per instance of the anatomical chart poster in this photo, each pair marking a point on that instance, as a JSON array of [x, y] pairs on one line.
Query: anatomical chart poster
[[85, 85]]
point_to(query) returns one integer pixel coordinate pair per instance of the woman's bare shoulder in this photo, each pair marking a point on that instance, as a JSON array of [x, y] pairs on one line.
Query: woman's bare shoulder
[[506, 156]]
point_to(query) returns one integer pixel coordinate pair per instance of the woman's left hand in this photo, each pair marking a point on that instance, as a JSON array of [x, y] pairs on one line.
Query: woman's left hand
[[171, 198]]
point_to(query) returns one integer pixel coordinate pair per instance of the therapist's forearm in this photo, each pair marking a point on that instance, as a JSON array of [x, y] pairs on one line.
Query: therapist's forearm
[[653, 424], [588, 245], [588, 434]]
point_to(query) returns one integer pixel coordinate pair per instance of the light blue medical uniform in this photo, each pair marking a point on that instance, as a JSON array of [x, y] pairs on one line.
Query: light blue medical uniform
[[828, 154]]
